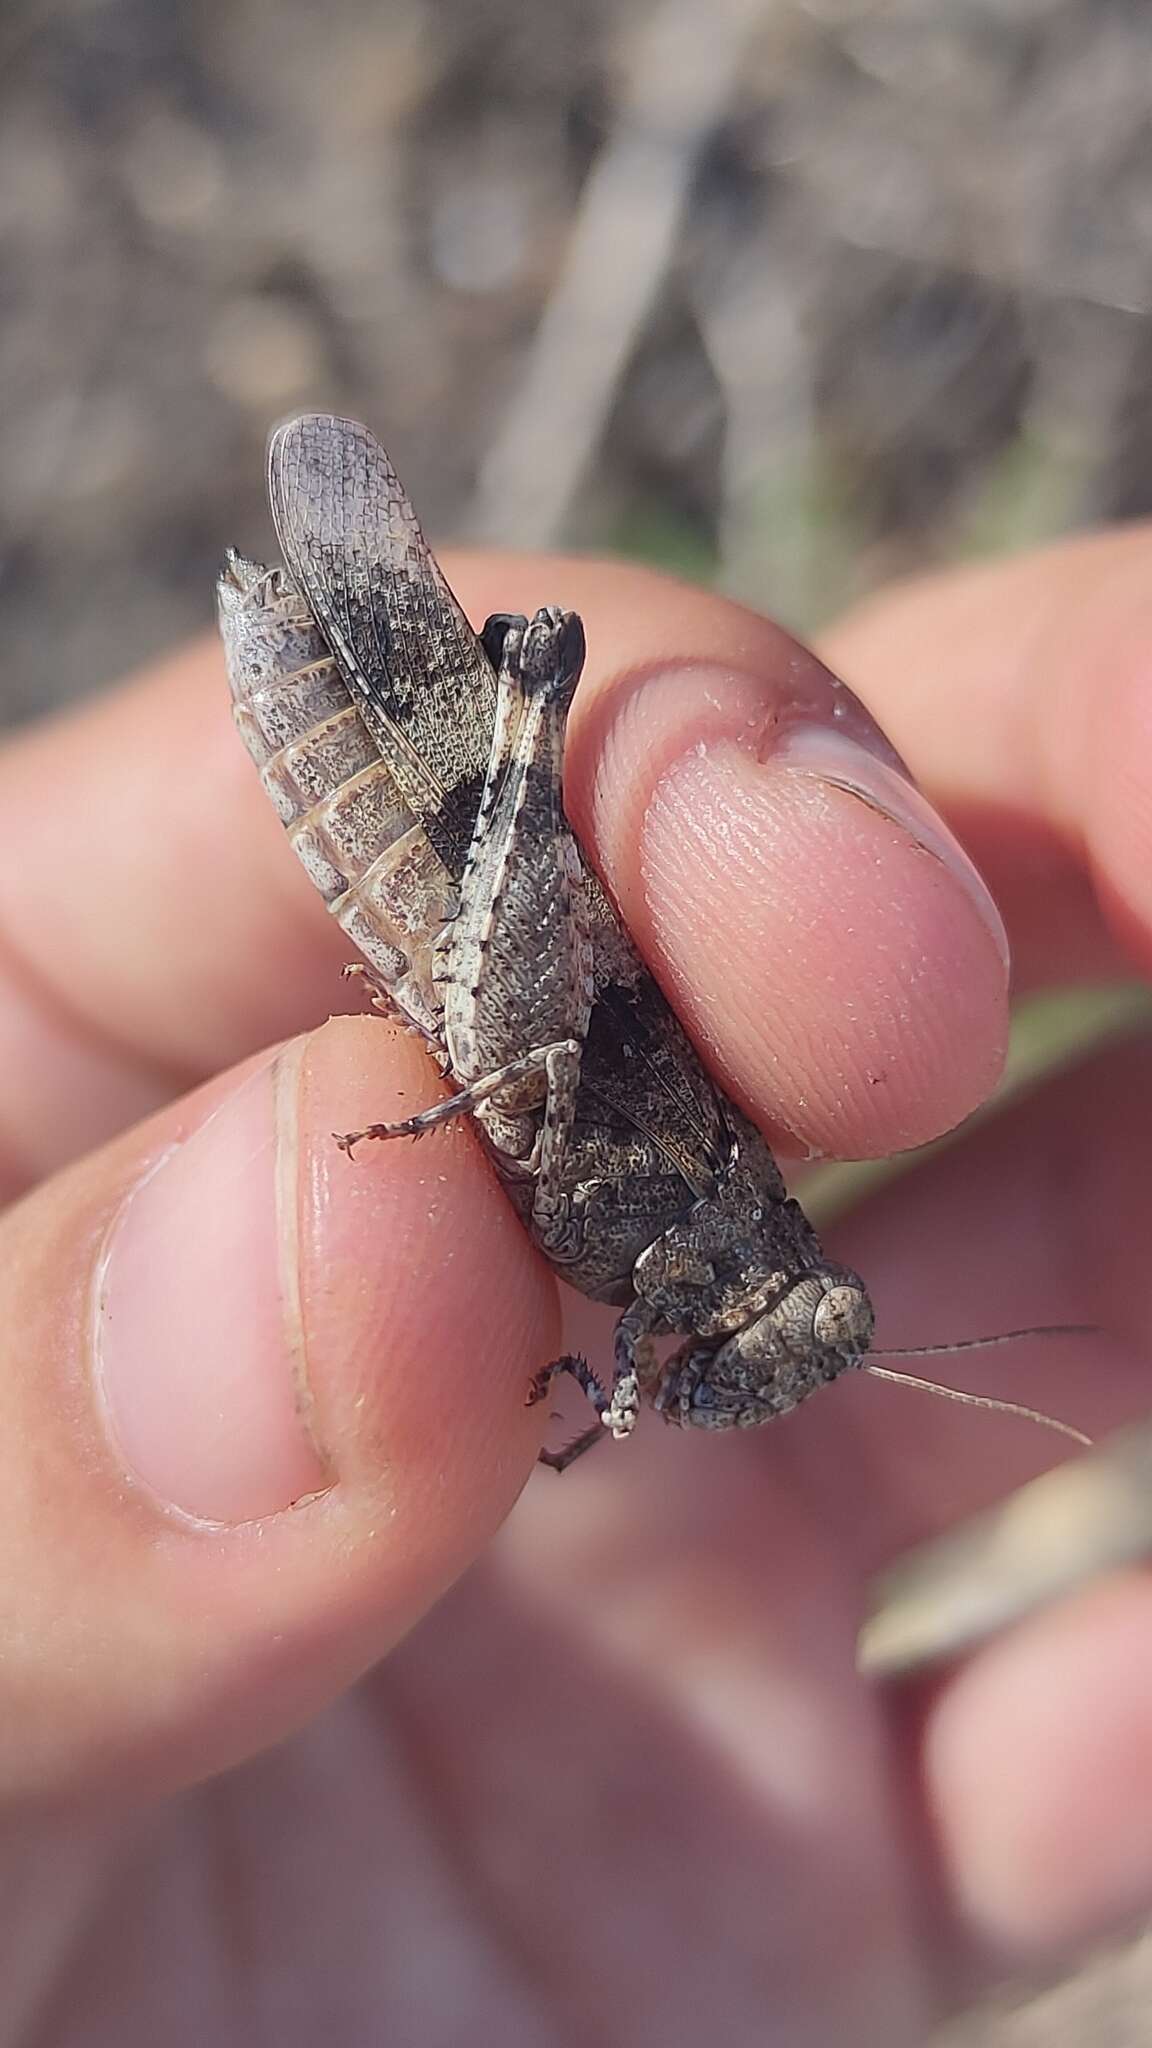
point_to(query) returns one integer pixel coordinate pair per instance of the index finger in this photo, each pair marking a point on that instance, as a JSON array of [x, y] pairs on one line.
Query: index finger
[[836, 959], [1022, 691]]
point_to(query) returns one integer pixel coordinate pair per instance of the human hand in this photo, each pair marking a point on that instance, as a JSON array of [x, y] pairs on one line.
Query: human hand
[[623, 1782]]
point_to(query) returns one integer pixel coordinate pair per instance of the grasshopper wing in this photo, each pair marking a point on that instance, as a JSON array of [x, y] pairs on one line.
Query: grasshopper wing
[[420, 677]]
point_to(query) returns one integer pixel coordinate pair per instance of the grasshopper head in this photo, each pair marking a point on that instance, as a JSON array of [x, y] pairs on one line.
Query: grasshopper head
[[545, 653], [821, 1327]]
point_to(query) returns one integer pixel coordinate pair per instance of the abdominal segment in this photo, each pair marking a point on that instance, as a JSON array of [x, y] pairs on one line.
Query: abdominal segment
[[336, 796]]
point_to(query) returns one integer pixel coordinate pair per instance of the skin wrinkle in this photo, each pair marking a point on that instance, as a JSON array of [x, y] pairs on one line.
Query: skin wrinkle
[[1118, 852], [459, 1852], [1071, 724], [1038, 687], [226, 1857], [60, 1880], [286, 1081], [67, 1019]]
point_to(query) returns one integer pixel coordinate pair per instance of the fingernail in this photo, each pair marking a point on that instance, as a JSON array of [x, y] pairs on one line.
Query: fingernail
[[832, 757], [803, 718], [198, 1348]]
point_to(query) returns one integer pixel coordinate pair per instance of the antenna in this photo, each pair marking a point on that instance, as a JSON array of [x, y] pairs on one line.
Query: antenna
[[908, 1379], [986, 1343]]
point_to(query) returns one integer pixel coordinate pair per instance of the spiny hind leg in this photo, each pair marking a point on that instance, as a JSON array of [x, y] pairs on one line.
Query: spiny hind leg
[[466, 1100]]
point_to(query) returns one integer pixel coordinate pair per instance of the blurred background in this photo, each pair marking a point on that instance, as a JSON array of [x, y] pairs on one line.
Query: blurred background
[[788, 295]]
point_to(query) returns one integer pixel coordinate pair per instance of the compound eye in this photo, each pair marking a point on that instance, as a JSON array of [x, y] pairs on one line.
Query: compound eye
[[496, 631], [572, 649], [843, 1319]]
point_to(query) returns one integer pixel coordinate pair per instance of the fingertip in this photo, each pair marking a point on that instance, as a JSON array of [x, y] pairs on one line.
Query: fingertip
[[1117, 799], [855, 995], [277, 1318], [1022, 690], [265, 1405], [1036, 1770], [821, 932]]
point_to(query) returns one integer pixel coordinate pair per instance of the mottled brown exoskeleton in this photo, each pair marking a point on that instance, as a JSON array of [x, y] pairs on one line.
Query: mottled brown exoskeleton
[[418, 768]]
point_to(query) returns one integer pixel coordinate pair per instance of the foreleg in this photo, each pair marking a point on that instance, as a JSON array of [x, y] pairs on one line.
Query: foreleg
[[635, 1368], [578, 1369]]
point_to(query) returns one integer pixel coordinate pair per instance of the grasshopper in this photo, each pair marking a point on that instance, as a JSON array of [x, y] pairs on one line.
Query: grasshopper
[[418, 768]]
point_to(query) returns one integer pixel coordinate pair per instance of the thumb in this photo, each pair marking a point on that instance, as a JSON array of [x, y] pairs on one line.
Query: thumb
[[263, 1404]]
